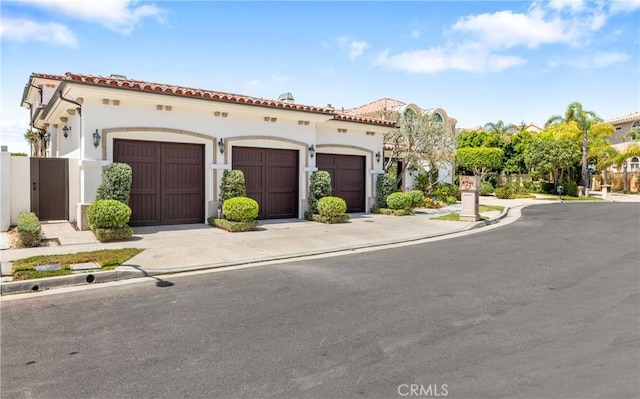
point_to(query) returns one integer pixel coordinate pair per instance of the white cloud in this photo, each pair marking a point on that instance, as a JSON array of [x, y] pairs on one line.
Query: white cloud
[[28, 30], [415, 33], [619, 6], [468, 58], [121, 16], [595, 60], [572, 5], [353, 47], [356, 49], [601, 60]]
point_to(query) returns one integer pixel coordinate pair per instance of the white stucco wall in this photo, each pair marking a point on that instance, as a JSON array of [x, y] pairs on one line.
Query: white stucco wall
[[20, 187], [5, 190]]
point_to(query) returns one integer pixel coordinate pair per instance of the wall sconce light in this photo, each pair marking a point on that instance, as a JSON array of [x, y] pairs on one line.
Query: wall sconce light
[[312, 150], [96, 138], [378, 156], [65, 131], [221, 146], [47, 137]]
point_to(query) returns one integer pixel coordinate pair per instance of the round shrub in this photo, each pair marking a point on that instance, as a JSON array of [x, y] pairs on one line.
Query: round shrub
[[107, 214], [330, 207], [417, 198], [240, 209], [504, 192], [399, 201], [486, 188]]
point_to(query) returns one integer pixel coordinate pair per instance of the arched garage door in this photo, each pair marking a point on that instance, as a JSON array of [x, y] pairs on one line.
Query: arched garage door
[[271, 177], [168, 181], [347, 178]]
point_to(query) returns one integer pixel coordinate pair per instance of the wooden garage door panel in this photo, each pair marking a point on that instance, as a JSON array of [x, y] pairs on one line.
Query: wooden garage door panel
[[347, 178], [271, 177], [168, 181]]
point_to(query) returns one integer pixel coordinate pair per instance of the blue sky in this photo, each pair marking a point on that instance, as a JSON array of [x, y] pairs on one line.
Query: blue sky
[[480, 61]]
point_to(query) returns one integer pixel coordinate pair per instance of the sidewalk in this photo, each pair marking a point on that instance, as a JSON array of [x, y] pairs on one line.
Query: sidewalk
[[180, 248]]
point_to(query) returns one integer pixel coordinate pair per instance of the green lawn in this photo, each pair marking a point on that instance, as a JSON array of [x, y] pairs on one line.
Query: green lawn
[[567, 198], [24, 269], [489, 208], [454, 217]]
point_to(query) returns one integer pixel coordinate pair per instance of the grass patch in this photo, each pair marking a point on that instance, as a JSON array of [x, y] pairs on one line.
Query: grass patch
[[23, 269], [395, 212], [454, 217], [489, 208], [566, 198]]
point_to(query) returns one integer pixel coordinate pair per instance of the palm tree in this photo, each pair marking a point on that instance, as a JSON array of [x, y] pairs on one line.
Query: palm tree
[[501, 128], [585, 121]]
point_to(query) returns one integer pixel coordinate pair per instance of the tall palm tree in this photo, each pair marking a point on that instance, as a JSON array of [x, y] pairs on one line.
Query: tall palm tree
[[501, 128], [585, 121]]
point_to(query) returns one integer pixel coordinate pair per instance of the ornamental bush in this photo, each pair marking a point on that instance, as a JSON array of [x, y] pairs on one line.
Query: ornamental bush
[[330, 207], [240, 209], [486, 188], [399, 201], [416, 197], [108, 214], [29, 229], [116, 183], [113, 234], [385, 185], [504, 192], [319, 187], [445, 191], [232, 185]]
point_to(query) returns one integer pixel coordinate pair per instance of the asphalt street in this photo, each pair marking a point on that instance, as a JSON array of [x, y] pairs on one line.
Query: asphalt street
[[546, 307]]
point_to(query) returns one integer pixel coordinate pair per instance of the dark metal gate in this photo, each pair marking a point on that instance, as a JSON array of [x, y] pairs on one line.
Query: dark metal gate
[[50, 188]]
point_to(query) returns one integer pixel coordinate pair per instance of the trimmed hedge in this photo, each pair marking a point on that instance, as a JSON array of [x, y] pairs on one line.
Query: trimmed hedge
[[319, 187], [332, 220], [232, 185], [234, 227], [113, 234], [240, 209], [331, 206], [29, 229], [106, 214], [399, 201], [504, 192], [416, 197], [116, 183], [385, 185]]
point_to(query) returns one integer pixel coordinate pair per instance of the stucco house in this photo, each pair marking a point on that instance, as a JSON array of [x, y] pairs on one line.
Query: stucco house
[[389, 109], [622, 125], [179, 141]]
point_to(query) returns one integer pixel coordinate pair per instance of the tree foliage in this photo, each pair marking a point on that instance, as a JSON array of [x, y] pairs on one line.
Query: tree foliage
[[549, 155], [501, 128], [480, 160]]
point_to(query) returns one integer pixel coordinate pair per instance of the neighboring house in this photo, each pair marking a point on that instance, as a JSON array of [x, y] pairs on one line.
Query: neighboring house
[[389, 109], [180, 140], [633, 163], [622, 125]]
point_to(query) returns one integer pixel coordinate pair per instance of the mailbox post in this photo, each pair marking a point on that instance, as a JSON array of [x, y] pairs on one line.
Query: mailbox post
[[470, 193], [560, 192]]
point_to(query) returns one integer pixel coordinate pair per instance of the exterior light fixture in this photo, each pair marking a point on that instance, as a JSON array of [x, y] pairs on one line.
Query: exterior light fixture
[[96, 138], [65, 131], [47, 137], [221, 146], [378, 156], [312, 150]]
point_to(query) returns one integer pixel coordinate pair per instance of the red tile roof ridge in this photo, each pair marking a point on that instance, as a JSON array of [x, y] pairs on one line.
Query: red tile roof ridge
[[46, 76], [118, 81], [361, 119]]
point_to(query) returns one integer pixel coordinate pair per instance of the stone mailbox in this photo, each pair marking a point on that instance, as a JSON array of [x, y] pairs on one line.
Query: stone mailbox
[[470, 192], [606, 192]]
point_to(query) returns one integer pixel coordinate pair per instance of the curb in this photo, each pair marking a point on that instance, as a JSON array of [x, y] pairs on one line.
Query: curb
[[127, 272]]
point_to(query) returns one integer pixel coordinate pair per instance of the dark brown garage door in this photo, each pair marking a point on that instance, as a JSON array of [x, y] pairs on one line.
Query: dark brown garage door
[[168, 181], [271, 177], [347, 178]]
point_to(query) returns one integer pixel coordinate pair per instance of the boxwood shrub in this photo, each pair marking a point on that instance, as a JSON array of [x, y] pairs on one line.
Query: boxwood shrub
[[113, 234], [106, 214], [399, 201], [232, 226], [232, 185], [116, 183], [29, 229], [385, 185], [331, 210], [319, 187], [416, 197], [240, 209]]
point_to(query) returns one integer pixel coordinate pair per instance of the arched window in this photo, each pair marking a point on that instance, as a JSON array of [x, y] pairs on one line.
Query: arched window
[[439, 118], [634, 165]]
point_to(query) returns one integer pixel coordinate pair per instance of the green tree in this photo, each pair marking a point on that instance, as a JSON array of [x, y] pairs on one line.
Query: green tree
[[633, 134], [549, 155], [480, 160], [620, 161], [501, 128], [588, 123]]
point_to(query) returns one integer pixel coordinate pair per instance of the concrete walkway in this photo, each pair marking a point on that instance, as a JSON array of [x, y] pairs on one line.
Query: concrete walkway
[[199, 246]]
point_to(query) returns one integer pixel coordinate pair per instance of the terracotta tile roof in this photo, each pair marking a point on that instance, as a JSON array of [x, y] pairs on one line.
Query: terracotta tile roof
[[375, 107], [47, 76], [124, 83], [633, 116]]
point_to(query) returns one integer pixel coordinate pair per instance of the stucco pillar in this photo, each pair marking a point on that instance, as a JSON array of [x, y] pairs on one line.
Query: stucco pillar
[[5, 189], [470, 188]]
